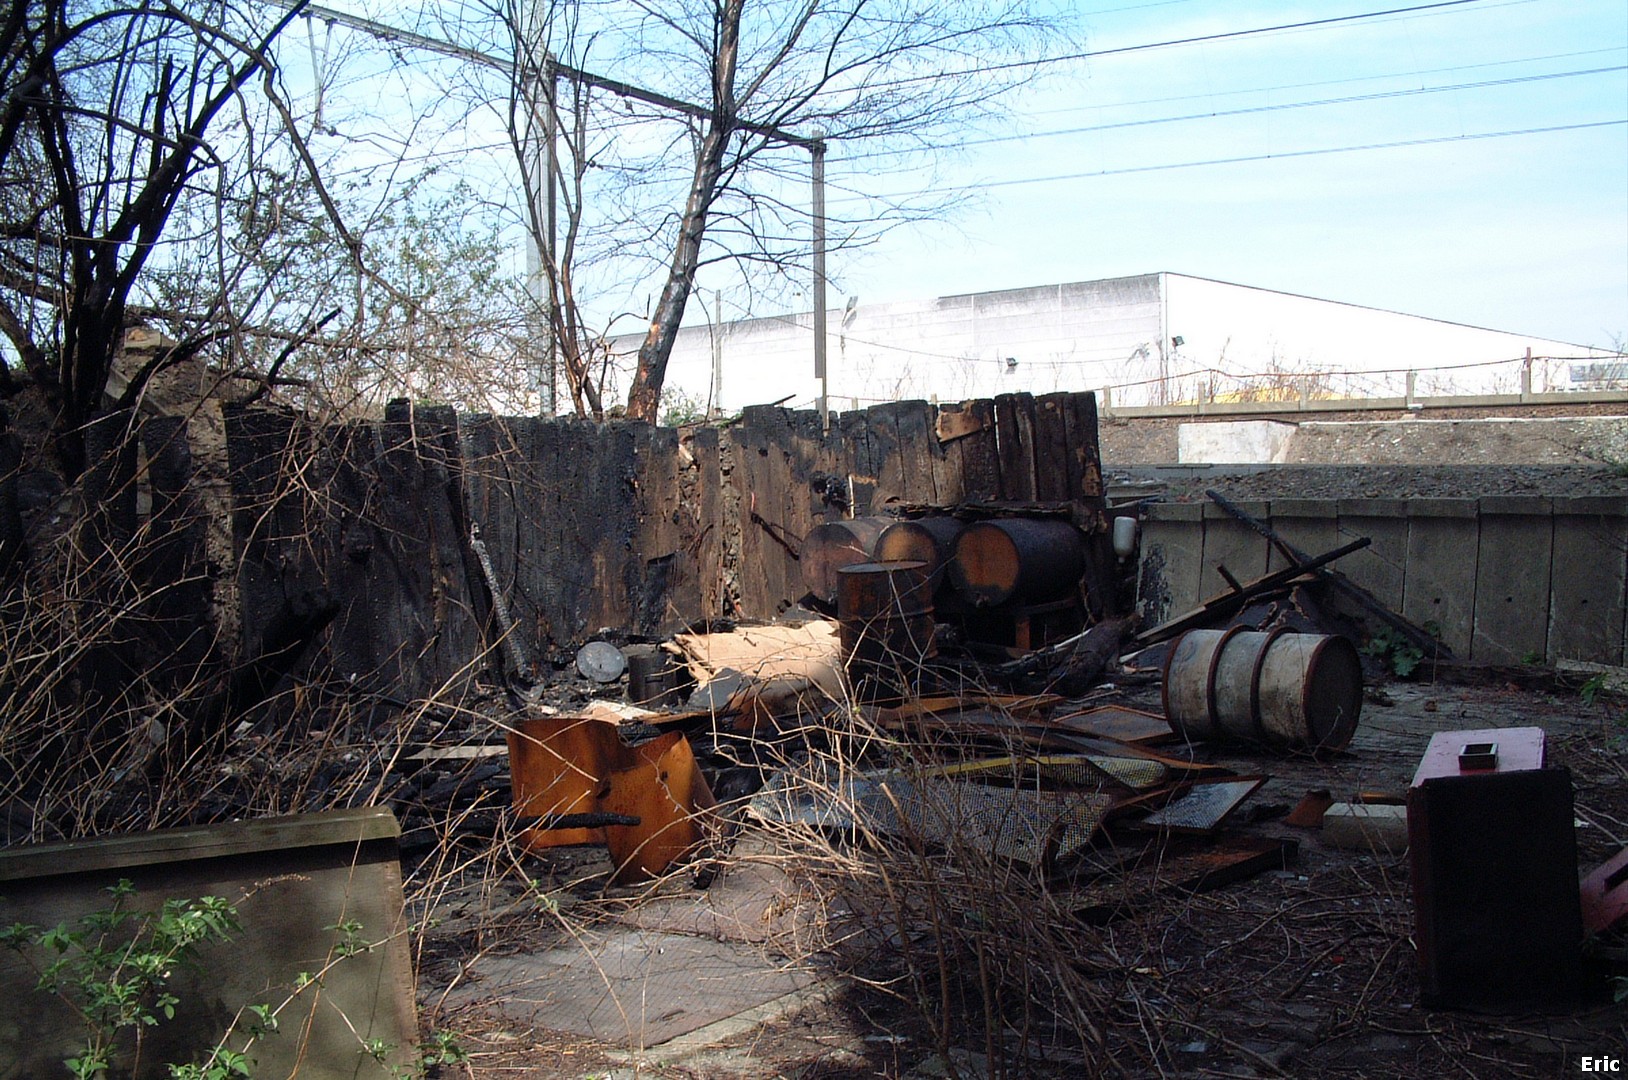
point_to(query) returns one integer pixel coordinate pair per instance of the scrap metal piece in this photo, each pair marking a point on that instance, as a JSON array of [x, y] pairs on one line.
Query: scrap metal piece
[[1205, 805], [571, 769], [1308, 812], [1076, 770], [601, 661], [1120, 722], [1605, 894]]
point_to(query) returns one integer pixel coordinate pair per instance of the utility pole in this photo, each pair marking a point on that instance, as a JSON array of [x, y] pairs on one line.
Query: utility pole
[[821, 372], [715, 399]]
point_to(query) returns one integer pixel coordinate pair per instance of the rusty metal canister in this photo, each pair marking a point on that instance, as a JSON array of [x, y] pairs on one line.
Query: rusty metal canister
[[1302, 691], [1017, 559], [656, 679], [830, 546], [930, 540], [884, 627]]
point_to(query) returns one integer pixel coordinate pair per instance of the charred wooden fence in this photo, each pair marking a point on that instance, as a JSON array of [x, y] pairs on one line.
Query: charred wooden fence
[[621, 525]]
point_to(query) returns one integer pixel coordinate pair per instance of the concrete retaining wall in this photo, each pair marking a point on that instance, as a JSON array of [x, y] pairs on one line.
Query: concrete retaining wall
[[1502, 579]]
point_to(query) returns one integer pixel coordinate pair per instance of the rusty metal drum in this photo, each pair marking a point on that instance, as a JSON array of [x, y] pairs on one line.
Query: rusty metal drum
[[830, 546], [884, 627], [1025, 560], [930, 540], [1300, 691]]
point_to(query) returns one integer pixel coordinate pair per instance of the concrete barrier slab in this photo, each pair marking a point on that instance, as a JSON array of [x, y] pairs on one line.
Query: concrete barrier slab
[[1167, 581], [1312, 525], [1381, 567], [1587, 580], [1229, 542], [1227, 442], [1512, 581], [1439, 591]]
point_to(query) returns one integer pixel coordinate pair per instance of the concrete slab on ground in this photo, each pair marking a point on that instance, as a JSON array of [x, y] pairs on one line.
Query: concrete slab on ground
[[752, 901], [630, 987]]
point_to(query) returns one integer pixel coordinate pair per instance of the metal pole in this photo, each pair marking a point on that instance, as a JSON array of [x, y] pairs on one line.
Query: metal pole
[[817, 150], [715, 400], [551, 355]]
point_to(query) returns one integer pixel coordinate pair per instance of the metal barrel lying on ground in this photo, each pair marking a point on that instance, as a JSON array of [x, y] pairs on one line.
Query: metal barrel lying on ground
[[1301, 691]]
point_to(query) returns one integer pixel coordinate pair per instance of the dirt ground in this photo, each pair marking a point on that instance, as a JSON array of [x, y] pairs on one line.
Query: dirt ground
[[1307, 971], [1575, 434]]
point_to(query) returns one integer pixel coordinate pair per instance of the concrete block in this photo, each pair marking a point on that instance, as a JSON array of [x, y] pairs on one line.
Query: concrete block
[[1233, 442], [1305, 508], [1439, 587], [1443, 508], [1593, 505], [1366, 508], [1189, 512], [1512, 584], [1360, 827], [1530, 505]]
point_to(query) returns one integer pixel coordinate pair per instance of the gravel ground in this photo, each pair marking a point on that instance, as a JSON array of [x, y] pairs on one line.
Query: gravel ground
[[1187, 483]]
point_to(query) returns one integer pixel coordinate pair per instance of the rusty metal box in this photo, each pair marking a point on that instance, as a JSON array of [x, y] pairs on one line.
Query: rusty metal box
[[1493, 858]]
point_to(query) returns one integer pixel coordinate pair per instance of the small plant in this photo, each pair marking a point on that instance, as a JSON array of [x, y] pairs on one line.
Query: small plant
[[1591, 689], [441, 1048], [114, 969], [1395, 652], [349, 942]]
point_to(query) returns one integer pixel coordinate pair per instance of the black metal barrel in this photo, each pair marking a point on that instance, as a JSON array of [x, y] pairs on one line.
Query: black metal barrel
[[930, 540], [1025, 560], [829, 547]]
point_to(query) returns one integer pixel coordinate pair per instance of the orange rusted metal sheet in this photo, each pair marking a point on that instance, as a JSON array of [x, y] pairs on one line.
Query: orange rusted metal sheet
[[576, 765]]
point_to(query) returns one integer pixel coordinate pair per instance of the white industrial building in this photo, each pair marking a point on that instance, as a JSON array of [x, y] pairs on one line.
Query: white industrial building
[[1148, 339]]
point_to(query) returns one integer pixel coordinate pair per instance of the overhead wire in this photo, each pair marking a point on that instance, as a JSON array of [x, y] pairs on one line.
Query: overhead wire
[[1223, 35], [1281, 106], [1410, 73], [850, 194], [1472, 137]]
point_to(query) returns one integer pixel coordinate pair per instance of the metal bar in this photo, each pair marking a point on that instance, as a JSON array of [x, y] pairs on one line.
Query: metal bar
[[1230, 602], [385, 32], [1416, 635]]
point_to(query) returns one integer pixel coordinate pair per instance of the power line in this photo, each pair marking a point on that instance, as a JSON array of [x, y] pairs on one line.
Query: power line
[[1409, 74], [856, 195], [1308, 153], [1214, 115], [1225, 35]]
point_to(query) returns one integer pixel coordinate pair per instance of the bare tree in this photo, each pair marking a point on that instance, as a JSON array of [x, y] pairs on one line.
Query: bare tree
[[104, 132], [743, 91]]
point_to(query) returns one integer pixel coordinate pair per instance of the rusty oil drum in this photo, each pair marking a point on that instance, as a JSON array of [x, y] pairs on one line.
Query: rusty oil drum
[[1302, 691], [930, 540], [884, 627], [829, 547], [1027, 560]]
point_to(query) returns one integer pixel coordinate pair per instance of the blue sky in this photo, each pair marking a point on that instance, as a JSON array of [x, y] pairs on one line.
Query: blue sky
[[1527, 233]]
